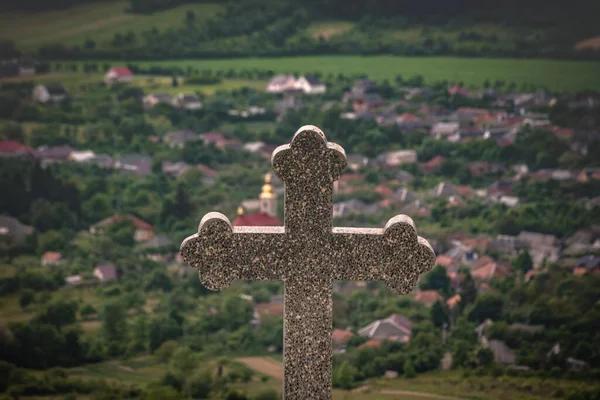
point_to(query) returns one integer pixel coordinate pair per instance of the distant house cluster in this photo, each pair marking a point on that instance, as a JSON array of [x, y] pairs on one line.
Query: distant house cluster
[[288, 83]]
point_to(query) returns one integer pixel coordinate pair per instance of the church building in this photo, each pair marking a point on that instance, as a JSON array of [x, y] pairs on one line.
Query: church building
[[266, 207]]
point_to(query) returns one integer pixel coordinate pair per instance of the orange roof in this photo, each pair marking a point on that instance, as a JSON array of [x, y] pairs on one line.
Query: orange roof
[[373, 343], [351, 177], [258, 219], [341, 336], [444, 260], [464, 190], [434, 163], [453, 301], [137, 222], [483, 261], [52, 256], [384, 190], [428, 297], [206, 171], [578, 271], [269, 309]]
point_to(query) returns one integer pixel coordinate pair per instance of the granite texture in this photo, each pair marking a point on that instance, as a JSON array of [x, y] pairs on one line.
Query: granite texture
[[308, 254]]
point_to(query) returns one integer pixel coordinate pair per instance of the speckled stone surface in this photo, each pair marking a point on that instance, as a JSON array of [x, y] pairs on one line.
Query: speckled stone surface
[[308, 254]]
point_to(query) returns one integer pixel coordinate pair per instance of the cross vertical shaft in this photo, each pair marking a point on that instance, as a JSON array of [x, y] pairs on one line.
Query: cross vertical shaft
[[307, 348]]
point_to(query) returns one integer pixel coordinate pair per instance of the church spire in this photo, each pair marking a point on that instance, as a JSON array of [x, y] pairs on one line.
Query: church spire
[[268, 198], [267, 189], [240, 211]]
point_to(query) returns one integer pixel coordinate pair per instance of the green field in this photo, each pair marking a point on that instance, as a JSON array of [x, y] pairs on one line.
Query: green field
[[97, 21], [558, 75]]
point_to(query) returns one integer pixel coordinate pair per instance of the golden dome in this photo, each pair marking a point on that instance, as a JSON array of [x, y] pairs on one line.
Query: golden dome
[[240, 211], [267, 189]]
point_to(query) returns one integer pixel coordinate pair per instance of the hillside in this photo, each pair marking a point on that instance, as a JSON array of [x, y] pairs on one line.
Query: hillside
[[178, 29]]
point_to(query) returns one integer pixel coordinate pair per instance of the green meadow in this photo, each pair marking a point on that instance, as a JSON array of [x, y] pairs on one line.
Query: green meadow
[[556, 75]]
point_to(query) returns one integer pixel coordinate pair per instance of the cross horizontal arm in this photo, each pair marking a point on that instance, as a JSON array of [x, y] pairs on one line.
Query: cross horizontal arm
[[223, 254], [394, 254]]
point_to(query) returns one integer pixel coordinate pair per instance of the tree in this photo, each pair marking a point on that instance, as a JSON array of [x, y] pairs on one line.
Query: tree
[[468, 290], [183, 361], [190, 18], [26, 297], [163, 328], [438, 280], [174, 82], [200, 386], [439, 315], [409, 370], [114, 327], [345, 375], [59, 313], [462, 354], [487, 306], [523, 262], [485, 357], [166, 350]]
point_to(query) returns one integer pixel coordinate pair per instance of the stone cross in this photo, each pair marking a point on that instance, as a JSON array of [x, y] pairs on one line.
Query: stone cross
[[308, 254]]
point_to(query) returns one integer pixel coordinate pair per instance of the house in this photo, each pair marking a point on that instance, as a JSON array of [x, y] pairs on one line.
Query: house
[[187, 101], [339, 338], [588, 174], [13, 231], [281, 83], [433, 165], [180, 138], [263, 311], [84, 156], [118, 75], [542, 247], [509, 201], [348, 207], [135, 164], [395, 328], [49, 93], [486, 269], [105, 272], [393, 159], [159, 249], [212, 138], [453, 301], [309, 85], [444, 129], [428, 297], [367, 102], [73, 280], [356, 161], [153, 99], [459, 90], [575, 364], [24, 66], [508, 244], [209, 175], [176, 168], [417, 208], [409, 121], [445, 189], [386, 118], [143, 230], [403, 177], [12, 148], [418, 93], [501, 187], [48, 155], [403, 195], [51, 258], [589, 264]]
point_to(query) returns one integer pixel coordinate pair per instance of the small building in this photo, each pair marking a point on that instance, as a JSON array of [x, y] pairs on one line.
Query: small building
[[143, 230], [310, 85], [180, 138], [502, 353], [263, 311], [12, 148], [428, 297], [445, 190], [339, 339], [134, 164], [393, 159], [444, 129], [281, 83], [357, 161], [73, 280], [433, 165], [105, 272], [209, 175], [176, 168], [589, 264], [394, 328], [13, 231], [154, 99], [51, 258], [187, 101], [49, 93], [348, 207], [118, 75], [267, 209]]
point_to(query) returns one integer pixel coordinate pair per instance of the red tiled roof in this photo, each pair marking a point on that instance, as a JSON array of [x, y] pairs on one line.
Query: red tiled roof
[[351, 177], [453, 301], [121, 71], [444, 260], [51, 256], [465, 190], [384, 190], [12, 146], [137, 222], [258, 219], [269, 309], [428, 297], [206, 171], [459, 90], [408, 117], [373, 343], [341, 336], [434, 163]]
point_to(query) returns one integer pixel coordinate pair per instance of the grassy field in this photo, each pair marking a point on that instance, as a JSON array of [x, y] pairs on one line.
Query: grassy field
[[98, 21], [556, 75]]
